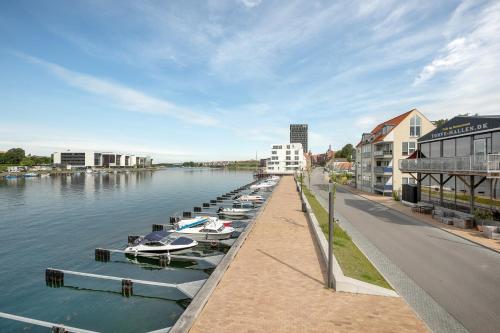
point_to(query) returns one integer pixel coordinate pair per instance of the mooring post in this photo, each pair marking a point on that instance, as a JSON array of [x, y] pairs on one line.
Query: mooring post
[[103, 254], [127, 288], [54, 278], [157, 227], [331, 217], [59, 329]]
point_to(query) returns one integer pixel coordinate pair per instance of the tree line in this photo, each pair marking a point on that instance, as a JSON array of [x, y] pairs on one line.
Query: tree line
[[17, 156]]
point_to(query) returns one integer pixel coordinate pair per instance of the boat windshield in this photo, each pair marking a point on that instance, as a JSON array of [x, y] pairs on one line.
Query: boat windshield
[[169, 239]]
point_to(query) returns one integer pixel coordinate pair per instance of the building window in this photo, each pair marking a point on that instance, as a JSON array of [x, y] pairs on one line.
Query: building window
[[296, 158], [274, 158], [435, 149], [408, 180], [463, 146], [296, 152], [288, 158], [274, 152], [288, 152], [415, 124], [449, 148], [408, 148]]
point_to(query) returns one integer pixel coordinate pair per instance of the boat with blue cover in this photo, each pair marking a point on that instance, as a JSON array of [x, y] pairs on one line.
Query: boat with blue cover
[[160, 242]]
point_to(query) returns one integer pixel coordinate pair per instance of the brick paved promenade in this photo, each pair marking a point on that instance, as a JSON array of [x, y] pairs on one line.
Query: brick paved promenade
[[275, 284]]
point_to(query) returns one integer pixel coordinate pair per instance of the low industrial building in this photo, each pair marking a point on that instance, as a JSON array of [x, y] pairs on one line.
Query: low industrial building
[[379, 149], [457, 165], [92, 159], [286, 158]]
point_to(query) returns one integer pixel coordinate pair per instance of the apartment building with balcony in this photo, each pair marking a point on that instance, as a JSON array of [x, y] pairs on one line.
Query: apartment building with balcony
[[380, 149], [458, 164], [286, 159]]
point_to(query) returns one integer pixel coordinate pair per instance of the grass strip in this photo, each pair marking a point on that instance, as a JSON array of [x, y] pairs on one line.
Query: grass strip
[[353, 262]]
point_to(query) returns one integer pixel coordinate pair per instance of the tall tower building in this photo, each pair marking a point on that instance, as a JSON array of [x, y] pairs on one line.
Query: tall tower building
[[298, 134]]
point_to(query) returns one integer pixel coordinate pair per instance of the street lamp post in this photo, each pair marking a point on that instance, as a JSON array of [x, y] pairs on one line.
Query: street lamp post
[[331, 216]]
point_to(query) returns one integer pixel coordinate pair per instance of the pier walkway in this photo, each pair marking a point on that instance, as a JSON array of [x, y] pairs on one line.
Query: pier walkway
[[276, 284]]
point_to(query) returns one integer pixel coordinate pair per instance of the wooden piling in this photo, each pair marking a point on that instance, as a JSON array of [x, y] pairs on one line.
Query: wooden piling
[[127, 287]]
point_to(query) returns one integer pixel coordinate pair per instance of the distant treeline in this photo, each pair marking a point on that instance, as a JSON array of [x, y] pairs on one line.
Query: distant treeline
[[17, 156]]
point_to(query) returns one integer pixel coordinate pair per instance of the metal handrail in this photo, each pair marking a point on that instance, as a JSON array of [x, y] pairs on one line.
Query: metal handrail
[[458, 163]]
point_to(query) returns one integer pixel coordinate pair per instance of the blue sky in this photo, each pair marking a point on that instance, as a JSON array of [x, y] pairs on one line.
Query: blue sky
[[212, 80]]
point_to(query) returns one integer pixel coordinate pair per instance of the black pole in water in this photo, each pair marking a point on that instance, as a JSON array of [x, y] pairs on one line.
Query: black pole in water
[[331, 217]]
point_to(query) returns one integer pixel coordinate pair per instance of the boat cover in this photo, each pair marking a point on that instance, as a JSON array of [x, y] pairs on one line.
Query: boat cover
[[183, 224]]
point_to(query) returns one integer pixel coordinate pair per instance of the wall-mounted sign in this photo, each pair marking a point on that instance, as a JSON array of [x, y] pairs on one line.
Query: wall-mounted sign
[[460, 126]]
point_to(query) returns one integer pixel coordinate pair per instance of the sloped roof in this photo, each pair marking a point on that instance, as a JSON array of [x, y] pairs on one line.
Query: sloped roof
[[393, 121]]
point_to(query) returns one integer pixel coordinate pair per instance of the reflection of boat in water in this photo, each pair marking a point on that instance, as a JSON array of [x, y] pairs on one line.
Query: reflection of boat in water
[[30, 174], [160, 242], [10, 177], [152, 263]]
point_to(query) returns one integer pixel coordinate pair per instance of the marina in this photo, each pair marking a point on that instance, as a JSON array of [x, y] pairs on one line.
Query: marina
[[160, 283]]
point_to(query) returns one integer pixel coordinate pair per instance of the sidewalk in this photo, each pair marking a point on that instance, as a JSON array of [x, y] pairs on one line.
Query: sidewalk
[[275, 284], [469, 234]]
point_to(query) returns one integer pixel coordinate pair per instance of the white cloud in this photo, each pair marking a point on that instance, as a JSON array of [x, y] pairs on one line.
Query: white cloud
[[457, 53], [365, 123], [125, 97], [472, 63], [251, 3]]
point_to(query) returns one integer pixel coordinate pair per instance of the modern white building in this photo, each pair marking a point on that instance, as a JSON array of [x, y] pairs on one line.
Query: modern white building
[[286, 158], [86, 159]]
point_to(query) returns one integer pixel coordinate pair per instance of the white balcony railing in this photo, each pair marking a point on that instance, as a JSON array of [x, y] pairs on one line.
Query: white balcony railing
[[490, 164]]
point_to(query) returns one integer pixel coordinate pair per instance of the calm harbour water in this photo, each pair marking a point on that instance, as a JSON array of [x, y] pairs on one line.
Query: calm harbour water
[[58, 221]]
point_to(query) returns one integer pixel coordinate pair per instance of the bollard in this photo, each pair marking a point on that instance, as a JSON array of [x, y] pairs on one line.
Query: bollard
[[197, 209], [157, 227], [186, 215], [127, 288], [304, 207]]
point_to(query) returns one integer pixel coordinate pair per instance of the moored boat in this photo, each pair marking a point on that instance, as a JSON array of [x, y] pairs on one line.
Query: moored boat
[[160, 242], [234, 212], [214, 229]]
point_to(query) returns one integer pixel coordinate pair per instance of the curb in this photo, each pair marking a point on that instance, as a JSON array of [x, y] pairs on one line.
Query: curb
[[341, 282], [185, 322], [411, 216]]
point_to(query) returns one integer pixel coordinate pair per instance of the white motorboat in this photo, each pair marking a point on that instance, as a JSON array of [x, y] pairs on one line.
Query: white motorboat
[[243, 204], [252, 198], [234, 212], [264, 184], [160, 242], [212, 230]]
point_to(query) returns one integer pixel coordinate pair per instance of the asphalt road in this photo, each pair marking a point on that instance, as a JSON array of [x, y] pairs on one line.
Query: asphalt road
[[462, 277]]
